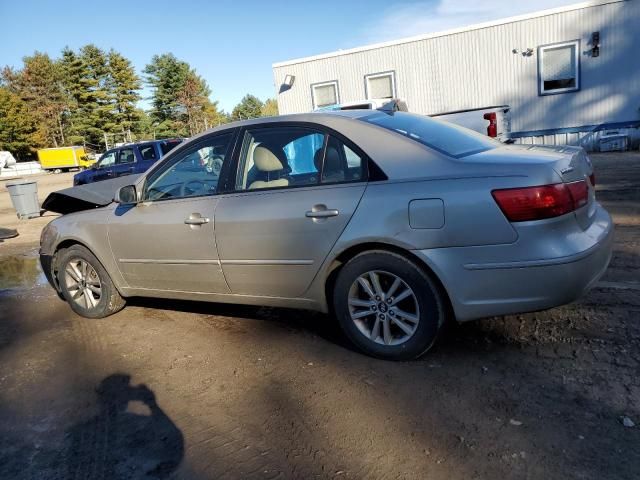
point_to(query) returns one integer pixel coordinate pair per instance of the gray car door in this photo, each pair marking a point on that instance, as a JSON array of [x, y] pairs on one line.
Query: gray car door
[[167, 242], [287, 211]]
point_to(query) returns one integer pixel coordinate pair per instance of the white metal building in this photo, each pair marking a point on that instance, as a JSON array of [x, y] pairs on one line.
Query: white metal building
[[569, 74]]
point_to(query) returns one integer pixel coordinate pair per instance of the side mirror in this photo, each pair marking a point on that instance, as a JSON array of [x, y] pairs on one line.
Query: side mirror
[[126, 195]]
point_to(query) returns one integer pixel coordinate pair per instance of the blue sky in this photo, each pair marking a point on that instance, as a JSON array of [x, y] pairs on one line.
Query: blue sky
[[232, 44]]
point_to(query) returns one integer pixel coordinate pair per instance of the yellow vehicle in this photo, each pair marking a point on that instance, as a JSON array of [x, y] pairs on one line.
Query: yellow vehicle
[[64, 158]]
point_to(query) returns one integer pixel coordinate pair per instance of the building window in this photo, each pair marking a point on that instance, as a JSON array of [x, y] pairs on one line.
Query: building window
[[559, 67], [325, 94], [380, 85]]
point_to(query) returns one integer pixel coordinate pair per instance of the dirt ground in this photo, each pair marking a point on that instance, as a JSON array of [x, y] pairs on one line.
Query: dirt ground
[[199, 391]]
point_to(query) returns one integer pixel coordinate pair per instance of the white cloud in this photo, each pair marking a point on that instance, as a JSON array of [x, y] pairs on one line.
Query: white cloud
[[427, 17]]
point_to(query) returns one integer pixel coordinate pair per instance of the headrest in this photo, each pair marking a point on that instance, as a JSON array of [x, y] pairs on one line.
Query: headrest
[[317, 159], [332, 160], [265, 160]]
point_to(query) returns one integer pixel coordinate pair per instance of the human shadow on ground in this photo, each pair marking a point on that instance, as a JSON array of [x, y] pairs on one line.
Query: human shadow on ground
[[129, 437]]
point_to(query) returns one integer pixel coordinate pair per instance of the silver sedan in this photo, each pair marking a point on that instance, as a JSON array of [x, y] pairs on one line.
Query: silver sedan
[[392, 222]]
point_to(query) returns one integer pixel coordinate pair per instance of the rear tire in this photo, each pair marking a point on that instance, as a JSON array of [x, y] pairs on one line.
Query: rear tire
[[86, 285], [388, 306]]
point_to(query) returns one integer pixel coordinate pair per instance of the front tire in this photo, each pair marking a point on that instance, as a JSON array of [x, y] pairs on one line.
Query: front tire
[[388, 306], [86, 285]]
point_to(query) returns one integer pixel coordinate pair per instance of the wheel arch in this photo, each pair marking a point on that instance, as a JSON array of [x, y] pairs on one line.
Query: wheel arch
[[347, 254], [68, 243]]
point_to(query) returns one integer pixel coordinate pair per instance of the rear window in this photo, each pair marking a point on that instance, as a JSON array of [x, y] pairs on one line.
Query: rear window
[[166, 147], [450, 139], [359, 106]]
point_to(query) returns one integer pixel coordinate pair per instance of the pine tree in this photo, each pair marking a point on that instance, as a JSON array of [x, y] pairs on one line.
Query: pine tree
[[73, 74], [123, 86], [181, 98], [195, 109], [249, 107], [166, 75], [270, 108], [18, 131], [97, 106], [39, 86]]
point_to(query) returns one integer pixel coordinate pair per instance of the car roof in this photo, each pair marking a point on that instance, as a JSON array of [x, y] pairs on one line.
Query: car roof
[[318, 117], [328, 118], [147, 142]]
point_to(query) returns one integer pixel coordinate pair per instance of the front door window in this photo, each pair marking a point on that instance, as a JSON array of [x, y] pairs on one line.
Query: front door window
[[107, 160], [194, 173]]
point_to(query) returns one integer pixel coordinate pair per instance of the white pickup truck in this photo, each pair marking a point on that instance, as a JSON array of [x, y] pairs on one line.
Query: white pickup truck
[[494, 121]]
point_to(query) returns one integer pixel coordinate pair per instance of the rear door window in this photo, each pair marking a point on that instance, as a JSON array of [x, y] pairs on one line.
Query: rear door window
[[280, 157], [167, 146], [148, 152], [126, 155], [285, 157]]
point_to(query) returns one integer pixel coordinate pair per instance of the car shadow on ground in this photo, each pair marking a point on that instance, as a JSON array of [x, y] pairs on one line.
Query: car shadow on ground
[[322, 325]]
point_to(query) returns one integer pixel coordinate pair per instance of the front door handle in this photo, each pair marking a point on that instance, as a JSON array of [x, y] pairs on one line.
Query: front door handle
[[321, 211], [196, 219]]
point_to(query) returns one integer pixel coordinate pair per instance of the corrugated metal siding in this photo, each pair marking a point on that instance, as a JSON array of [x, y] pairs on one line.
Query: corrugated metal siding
[[477, 68]]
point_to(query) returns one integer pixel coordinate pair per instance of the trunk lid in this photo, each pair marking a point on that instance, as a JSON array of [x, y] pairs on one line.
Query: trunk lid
[[571, 164]]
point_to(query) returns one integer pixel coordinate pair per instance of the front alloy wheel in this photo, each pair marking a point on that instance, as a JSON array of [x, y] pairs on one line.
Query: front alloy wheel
[[83, 283]]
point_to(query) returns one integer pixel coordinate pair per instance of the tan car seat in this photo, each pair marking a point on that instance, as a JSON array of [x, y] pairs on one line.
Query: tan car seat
[[265, 161]]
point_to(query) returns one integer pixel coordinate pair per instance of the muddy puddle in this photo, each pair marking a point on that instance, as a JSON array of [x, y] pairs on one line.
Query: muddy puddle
[[21, 272]]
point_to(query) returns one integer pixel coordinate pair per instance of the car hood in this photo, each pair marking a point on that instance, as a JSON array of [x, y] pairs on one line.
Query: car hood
[[85, 197]]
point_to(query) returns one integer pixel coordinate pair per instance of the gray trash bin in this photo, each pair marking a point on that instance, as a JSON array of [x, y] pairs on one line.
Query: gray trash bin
[[24, 196]]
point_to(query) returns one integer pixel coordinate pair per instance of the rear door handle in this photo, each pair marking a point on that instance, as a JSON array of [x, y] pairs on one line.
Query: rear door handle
[[321, 211], [196, 219]]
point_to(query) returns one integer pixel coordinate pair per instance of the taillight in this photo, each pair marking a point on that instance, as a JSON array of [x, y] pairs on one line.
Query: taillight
[[545, 201], [579, 192], [492, 128]]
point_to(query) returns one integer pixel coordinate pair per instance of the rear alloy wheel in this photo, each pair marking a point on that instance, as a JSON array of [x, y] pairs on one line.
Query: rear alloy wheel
[[86, 285], [388, 306]]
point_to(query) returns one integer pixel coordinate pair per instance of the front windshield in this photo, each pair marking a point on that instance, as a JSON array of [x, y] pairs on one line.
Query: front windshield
[[445, 137]]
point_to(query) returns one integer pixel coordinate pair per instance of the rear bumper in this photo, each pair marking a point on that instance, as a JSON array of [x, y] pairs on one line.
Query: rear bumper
[[486, 281]]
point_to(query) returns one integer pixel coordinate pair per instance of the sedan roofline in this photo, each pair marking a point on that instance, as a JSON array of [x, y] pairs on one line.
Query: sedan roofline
[[323, 118]]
